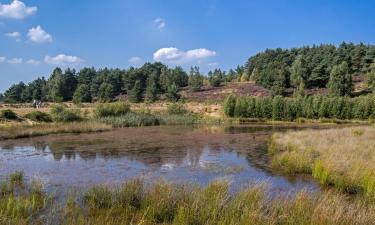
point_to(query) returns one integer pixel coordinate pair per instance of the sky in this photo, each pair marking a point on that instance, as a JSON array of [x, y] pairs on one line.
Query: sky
[[39, 35]]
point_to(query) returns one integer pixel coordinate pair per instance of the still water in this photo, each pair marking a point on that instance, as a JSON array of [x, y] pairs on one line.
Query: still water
[[187, 154]]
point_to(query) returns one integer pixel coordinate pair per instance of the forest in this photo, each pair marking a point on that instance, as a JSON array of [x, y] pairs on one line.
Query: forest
[[318, 66]]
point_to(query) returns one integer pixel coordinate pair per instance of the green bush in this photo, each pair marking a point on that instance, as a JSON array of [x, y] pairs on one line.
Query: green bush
[[62, 114], [38, 116], [176, 109], [8, 114], [111, 109]]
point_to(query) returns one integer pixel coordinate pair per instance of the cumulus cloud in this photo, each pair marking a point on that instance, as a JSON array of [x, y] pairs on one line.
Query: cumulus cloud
[[135, 60], [16, 10], [15, 61], [38, 35], [33, 62], [160, 23], [15, 35], [62, 59], [2, 59], [177, 56]]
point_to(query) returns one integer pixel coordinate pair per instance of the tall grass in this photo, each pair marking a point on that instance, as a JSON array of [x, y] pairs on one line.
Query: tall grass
[[111, 109], [136, 202], [138, 119], [344, 158]]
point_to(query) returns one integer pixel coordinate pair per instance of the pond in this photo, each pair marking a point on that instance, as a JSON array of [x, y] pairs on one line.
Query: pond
[[190, 154]]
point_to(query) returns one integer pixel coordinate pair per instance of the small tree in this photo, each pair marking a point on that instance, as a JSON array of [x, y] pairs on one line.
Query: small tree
[[152, 88], [172, 93], [340, 81], [82, 94], [106, 92], [195, 79], [136, 93], [229, 105], [371, 78]]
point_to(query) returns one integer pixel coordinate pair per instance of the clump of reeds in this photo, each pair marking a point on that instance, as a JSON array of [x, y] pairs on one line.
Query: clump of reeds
[[344, 157]]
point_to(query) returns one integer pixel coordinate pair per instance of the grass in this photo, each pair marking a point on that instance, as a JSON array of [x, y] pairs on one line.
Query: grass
[[138, 119], [22, 130], [136, 202], [344, 158]]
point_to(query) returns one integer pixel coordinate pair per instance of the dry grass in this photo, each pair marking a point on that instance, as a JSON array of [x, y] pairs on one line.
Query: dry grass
[[22, 130], [342, 157]]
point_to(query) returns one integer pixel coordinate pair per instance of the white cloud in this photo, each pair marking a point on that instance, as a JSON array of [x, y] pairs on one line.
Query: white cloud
[[38, 35], [16, 10], [135, 60], [33, 62], [62, 59], [177, 56], [16, 35], [2, 59], [160, 23], [15, 61], [13, 34]]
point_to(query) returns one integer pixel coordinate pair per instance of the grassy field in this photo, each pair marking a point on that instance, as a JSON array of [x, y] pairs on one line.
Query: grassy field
[[164, 203], [344, 158]]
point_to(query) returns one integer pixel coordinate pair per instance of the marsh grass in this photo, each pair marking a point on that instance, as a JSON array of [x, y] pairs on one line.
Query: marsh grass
[[22, 130], [140, 202], [138, 119], [344, 158]]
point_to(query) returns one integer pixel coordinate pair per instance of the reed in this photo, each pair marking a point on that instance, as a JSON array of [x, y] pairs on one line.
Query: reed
[[344, 158]]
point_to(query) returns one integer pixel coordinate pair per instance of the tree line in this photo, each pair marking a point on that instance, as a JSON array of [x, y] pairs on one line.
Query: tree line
[[146, 83], [311, 107], [309, 67]]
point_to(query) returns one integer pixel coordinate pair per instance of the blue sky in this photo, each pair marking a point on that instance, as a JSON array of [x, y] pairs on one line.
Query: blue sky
[[38, 35]]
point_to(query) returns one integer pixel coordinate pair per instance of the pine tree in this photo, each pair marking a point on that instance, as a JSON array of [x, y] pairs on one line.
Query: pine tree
[[340, 81], [152, 88], [371, 78], [136, 93]]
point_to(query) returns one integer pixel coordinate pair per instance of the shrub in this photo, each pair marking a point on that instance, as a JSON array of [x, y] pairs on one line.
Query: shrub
[[111, 109], [176, 109], [61, 114], [8, 114], [229, 105], [38, 116]]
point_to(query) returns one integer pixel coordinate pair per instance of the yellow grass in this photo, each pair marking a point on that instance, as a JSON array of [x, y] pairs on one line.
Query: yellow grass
[[342, 157], [22, 130]]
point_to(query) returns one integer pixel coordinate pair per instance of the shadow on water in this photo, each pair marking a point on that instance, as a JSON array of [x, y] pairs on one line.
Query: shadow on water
[[177, 153]]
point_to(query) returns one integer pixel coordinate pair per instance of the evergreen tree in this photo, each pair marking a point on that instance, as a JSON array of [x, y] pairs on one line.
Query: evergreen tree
[[152, 89], [340, 81], [136, 93], [297, 73], [106, 92], [371, 78], [195, 79], [55, 86], [172, 93], [82, 94]]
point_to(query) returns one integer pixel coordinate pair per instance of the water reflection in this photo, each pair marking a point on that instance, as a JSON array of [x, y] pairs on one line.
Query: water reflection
[[179, 153]]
